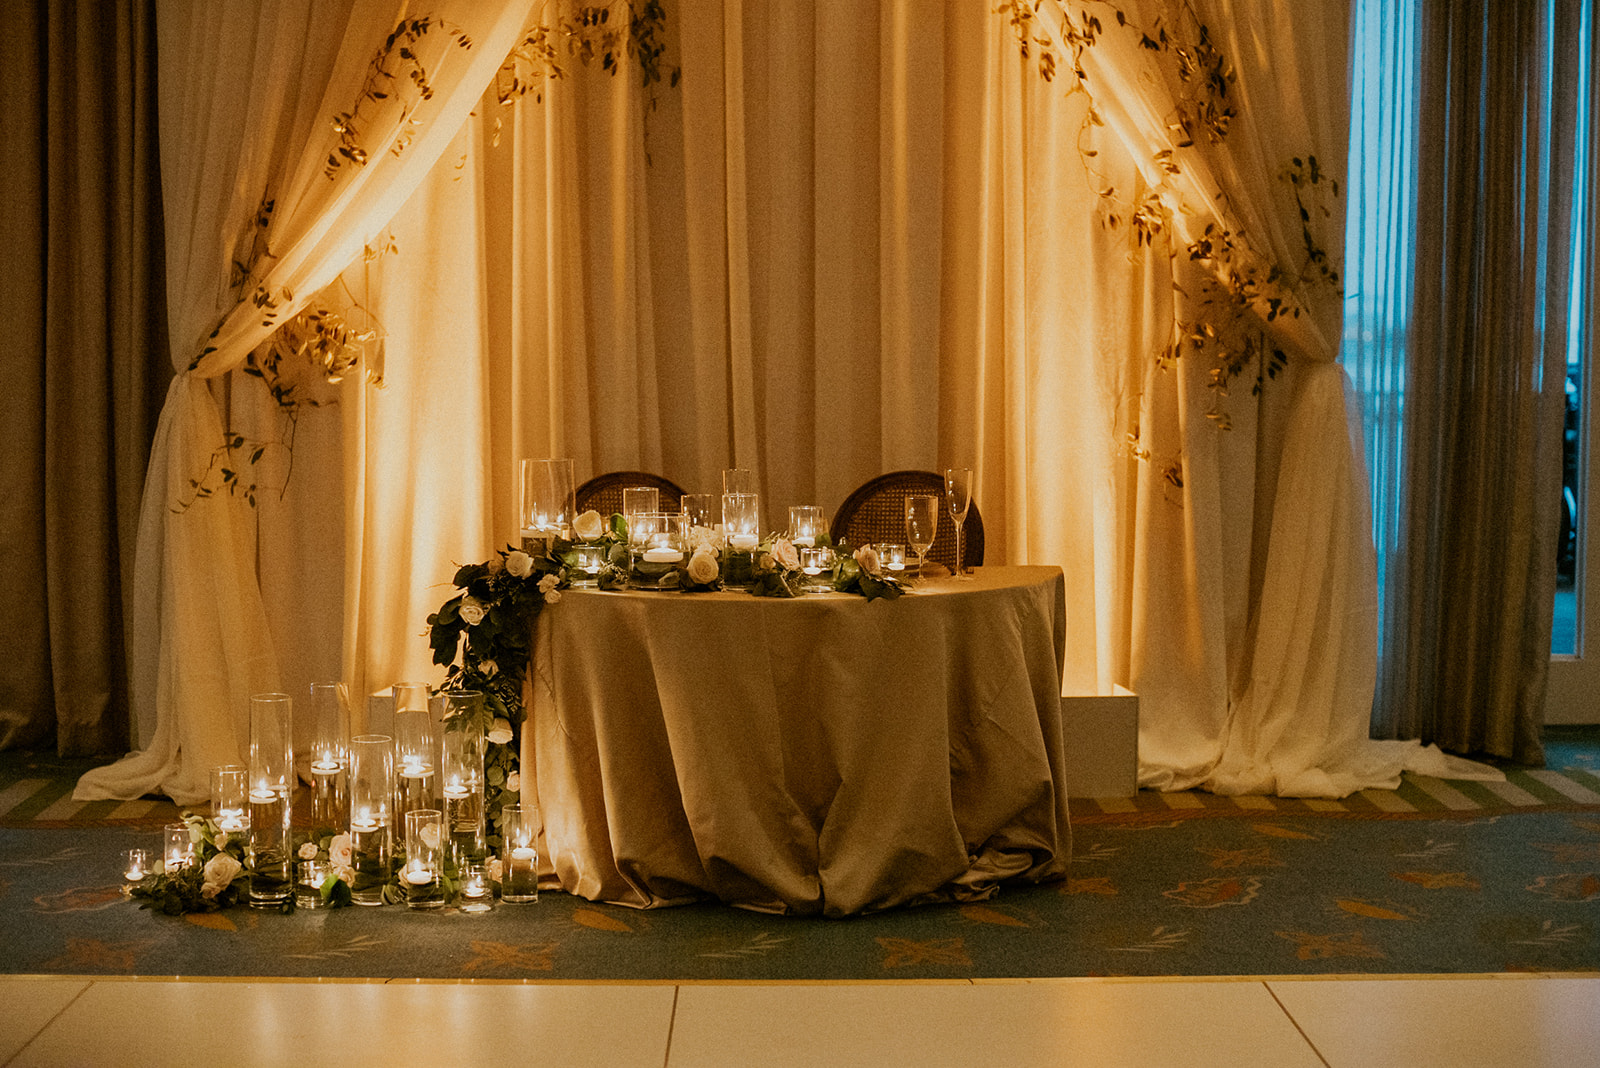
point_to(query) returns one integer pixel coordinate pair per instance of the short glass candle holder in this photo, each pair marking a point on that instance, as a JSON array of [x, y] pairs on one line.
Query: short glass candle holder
[[816, 570], [475, 894], [178, 851], [230, 795], [892, 557], [309, 877], [519, 856], [423, 876], [637, 500], [135, 864], [805, 525], [587, 561], [658, 547]]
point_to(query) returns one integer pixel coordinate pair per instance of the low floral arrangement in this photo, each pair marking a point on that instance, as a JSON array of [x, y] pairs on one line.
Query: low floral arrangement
[[215, 880], [481, 634]]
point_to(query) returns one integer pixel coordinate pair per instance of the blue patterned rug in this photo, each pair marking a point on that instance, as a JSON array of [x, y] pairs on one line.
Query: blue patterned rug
[[1272, 895]]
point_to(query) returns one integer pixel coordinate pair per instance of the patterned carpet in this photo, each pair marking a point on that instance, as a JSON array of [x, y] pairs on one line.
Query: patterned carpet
[[1436, 877]]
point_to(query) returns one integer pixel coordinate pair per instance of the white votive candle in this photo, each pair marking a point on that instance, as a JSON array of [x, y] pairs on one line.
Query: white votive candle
[[522, 853], [743, 541], [897, 567], [419, 876], [324, 767], [262, 796], [812, 570], [415, 771], [662, 556]]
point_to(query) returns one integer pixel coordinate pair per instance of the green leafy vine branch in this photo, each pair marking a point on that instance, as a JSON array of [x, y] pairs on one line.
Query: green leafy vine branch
[[1239, 289]]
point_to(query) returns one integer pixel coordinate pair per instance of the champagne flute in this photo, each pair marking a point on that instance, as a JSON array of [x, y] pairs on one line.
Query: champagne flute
[[922, 521], [958, 497]]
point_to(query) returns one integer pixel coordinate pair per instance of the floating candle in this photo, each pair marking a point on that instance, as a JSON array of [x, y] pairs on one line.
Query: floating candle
[[263, 796], [324, 767], [419, 876], [743, 541], [662, 556], [804, 541], [522, 853]]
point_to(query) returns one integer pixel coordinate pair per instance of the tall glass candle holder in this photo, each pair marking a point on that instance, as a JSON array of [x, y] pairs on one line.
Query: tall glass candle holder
[[230, 798], [271, 785], [701, 509], [519, 853], [741, 524], [658, 545], [423, 875], [415, 749], [463, 774], [738, 480], [547, 502], [371, 811], [330, 757]]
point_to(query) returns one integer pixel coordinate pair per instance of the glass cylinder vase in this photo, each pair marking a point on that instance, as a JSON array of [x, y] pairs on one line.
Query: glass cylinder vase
[[230, 798], [423, 875], [415, 748], [741, 525], [371, 810], [330, 756], [658, 546], [519, 853], [546, 503], [271, 787], [463, 775]]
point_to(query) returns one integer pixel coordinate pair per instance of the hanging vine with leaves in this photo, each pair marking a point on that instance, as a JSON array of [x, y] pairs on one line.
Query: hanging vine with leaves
[[1238, 289]]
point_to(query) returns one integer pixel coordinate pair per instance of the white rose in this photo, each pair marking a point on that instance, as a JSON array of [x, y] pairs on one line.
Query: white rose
[[220, 870], [519, 563], [514, 782], [549, 583], [703, 566], [589, 525], [471, 611], [553, 597], [345, 874], [340, 851], [709, 538], [867, 557], [493, 868], [786, 555], [499, 731], [308, 851]]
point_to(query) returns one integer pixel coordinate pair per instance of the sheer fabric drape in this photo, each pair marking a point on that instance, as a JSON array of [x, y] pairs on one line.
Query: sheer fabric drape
[[85, 361], [247, 95], [1472, 574]]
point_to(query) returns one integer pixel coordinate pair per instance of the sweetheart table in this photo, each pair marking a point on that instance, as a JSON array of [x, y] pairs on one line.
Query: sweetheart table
[[815, 755]]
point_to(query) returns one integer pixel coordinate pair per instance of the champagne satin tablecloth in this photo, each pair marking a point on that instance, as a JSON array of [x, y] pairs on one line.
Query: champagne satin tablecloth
[[820, 754]]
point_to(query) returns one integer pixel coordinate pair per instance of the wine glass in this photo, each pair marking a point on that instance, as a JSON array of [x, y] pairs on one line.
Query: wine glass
[[958, 498], [922, 521]]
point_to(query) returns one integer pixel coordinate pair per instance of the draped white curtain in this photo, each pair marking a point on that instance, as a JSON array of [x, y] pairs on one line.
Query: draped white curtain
[[247, 95], [853, 238], [863, 237]]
